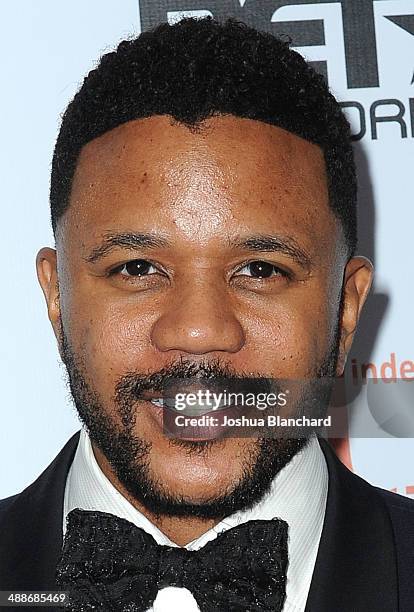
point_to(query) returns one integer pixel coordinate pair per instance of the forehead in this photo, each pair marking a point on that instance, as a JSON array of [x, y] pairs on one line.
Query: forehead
[[228, 168]]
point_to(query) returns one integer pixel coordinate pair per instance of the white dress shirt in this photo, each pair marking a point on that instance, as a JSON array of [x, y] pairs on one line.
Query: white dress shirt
[[298, 496]]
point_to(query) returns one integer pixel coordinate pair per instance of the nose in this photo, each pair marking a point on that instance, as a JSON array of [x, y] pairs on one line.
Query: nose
[[198, 320]]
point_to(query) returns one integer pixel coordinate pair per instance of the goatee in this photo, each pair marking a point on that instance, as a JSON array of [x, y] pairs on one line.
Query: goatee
[[129, 455]]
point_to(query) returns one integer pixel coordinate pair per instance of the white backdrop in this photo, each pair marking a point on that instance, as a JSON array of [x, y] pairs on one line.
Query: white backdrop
[[47, 47]]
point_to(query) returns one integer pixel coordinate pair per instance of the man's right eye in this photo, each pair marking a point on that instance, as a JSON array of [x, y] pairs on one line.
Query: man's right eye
[[135, 267]]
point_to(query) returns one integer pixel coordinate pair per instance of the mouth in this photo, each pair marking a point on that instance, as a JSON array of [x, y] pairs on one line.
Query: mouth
[[197, 422]]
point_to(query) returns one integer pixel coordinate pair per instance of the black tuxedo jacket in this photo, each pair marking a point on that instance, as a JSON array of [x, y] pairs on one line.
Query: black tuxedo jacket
[[365, 561]]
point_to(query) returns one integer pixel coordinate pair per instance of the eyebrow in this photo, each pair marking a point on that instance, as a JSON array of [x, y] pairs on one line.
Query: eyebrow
[[274, 244], [256, 243], [129, 240]]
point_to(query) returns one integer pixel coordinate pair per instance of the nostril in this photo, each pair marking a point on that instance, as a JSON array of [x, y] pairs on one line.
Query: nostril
[[198, 333]]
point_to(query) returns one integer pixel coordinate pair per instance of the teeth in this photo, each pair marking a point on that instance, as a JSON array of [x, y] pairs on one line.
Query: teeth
[[194, 410], [171, 403], [158, 402]]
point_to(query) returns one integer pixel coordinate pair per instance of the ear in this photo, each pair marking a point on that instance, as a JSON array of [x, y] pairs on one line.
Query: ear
[[358, 277], [46, 266]]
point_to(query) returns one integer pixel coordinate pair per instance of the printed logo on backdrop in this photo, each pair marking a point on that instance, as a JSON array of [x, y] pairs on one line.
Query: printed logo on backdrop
[[355, 44]]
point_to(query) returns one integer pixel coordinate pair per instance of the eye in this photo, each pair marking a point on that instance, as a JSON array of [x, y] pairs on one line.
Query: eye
[[136, 267], [262, 269]]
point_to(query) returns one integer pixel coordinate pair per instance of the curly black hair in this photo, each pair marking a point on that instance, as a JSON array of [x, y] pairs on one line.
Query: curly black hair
[[198, 68]]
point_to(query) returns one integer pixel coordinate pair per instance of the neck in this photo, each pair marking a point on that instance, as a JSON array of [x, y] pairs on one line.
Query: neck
[[180, 530]]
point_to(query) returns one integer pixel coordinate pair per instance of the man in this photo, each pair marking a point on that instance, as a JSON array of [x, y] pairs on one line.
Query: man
[[203, 200]]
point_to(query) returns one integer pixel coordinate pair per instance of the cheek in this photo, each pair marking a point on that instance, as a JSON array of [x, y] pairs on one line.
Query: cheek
[[112, 342], [290, 341]]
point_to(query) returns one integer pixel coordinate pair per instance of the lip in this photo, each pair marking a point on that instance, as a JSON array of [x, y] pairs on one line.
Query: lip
[[164, 418], [193, 433], [155, 411]]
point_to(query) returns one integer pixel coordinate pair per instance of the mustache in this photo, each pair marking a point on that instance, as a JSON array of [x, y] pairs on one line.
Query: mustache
[[179, 375]]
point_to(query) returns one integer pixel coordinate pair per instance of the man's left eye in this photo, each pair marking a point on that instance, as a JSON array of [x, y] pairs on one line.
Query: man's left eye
[[261, 269], [136, 267]]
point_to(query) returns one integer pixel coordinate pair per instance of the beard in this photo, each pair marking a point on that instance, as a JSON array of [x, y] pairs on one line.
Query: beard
[[129, 455]]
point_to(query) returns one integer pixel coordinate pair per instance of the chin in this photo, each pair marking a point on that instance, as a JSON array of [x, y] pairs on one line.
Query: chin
[[198, 471]]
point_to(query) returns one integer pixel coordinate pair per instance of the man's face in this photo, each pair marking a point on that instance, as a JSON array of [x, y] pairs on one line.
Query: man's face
[[157, 265]]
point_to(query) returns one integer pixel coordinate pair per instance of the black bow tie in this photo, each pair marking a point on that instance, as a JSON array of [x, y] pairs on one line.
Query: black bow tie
[[109, 564]]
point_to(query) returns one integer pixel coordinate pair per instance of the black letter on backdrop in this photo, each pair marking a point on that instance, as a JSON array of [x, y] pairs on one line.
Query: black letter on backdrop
[[358, 25]]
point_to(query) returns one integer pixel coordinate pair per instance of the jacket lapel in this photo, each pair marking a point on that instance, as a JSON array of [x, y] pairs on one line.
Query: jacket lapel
[[31, 528], [356, 567]]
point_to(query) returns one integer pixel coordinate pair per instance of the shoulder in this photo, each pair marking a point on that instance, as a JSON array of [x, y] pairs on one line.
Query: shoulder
[[401, 510], [48, 487], [366, 499], [396, 501], [6, 503]]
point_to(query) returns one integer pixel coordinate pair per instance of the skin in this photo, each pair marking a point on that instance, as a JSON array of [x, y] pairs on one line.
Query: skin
[[202, 192]]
